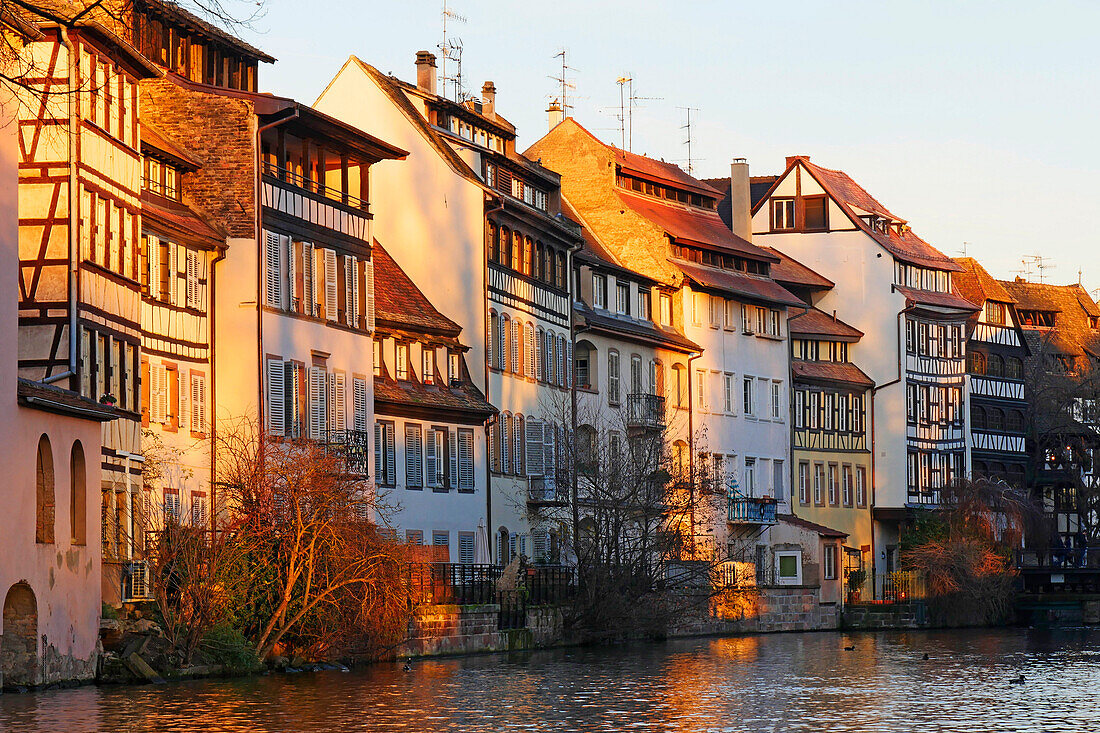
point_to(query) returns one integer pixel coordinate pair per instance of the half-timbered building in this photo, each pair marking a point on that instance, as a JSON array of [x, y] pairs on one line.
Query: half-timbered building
[[494, 255], [897, 290], [995, 353]]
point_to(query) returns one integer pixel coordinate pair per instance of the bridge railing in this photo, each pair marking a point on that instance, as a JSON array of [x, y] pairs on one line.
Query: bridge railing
[[1059, 558]]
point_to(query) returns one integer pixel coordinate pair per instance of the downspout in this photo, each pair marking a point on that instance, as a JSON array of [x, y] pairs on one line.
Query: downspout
[[73, 204], [573, 331], [212, 428], [691, 445], [485, 367]]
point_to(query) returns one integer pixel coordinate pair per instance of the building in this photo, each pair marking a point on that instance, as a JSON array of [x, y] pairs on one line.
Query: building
[[493, 253], [714, 285], [1061, 328], [995, 353], [897, 290], [429, 420], [51, 449]]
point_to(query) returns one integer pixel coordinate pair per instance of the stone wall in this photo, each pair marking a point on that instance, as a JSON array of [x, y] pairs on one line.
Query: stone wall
[[442, 630], [762, 610], [886, 616]]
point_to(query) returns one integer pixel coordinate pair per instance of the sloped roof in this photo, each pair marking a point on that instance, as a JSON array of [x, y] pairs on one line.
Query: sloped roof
[[180, 219], [462, 396], [636, 329], [152, 137], [976, 284], [831, 371], [50, 398], [1072, 305], [821, 529], [659, 170], [692, 225], [753, 287], [937, 300], [759, 187], [813, 322], [198, 25], [789, 270], [399, 302], [845, 189]]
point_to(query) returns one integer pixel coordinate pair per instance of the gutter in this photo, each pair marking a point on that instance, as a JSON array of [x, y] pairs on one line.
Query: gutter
[[691, 443], [485, 369], [212, 428]]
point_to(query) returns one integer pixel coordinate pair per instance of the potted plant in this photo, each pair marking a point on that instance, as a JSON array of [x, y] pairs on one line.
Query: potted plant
[[856, 579]]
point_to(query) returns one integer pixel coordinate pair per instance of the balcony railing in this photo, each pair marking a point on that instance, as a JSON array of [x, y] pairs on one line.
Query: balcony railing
[[751, 510], [352, 448], [645, 411], [330, 193], [542, 491]]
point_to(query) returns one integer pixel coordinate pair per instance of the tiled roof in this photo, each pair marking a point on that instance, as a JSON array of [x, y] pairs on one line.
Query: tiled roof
[[658, 170], [180, 218], [752, 287], [193, 22], [62, 401], [821, 529], [692, 225], [976, 285], [153, 137], [813, 322], [399, 302], [792, 271], [461, 396], [830, 371], [937, 300], [759, 187], [636, 329], [842, 187], [1072, 333]]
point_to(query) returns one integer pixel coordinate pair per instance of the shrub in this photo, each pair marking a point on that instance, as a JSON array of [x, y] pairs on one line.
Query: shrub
[[228, 647]]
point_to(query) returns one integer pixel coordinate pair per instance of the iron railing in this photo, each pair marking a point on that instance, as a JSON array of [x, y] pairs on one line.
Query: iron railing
[[900, 586], [1059, 558], [541, 490], [308, 184], [645, 411], [751, 510], [442, 583], [352, 448]]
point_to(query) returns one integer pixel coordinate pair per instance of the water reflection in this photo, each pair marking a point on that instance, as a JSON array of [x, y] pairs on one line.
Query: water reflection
[[789, 682]]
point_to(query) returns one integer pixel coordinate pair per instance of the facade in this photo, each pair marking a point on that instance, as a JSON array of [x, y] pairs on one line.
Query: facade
[[897, 290], [995, 355], [714, 285], [493, 255], [429, 424]]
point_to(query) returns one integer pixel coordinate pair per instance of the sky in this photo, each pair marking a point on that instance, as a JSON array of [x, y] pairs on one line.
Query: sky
[[976, 121]]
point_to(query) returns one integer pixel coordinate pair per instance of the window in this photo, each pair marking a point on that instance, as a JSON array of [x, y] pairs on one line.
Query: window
[[414, 457], [995, 313], [666, 309], [789, 567], [44, 492], [782, 213], [861, 486], [803, 482], [582, 378], [779, 480], [747, 396], [727, 393], [402, 361], [636, 386], [454, 366], [441, 538], [829, 562], [750, 477], [622, 298], [716, 308], [746, 319], [701, 388], [846, 485], [774, 327], [428, 375], [813, 212], [612, 377], [761, 320], [599, 291], [777, 400], [466, 546], [644, 306], [819, 484], [198, 403], [698, 305], [414, 536], [834, 497]]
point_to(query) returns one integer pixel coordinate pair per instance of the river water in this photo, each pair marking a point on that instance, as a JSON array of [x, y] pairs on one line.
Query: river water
[[780, 682]]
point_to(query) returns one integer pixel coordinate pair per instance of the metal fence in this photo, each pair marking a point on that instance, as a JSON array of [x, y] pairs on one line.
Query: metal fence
[[900, 586], [465, 584], [1060, 558]]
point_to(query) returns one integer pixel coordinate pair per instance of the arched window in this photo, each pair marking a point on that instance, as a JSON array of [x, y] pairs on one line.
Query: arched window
[[504, 547], [995, 418], [1014, 368], [505, 246], [517, 252], [561, 362], [44, 492], [977, 362], [550, 357], [540, 263], [1014, 421], [505, 346], [996, 366], [518, 443], [584, 366], [494, 445], [680, 458], [656, 378], [679, 378], [637, 381], [586, 449], [78, 496], [548, 266], [528, 252], [977, 417]]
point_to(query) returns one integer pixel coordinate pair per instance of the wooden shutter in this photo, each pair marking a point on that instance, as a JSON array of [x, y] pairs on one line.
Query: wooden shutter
[[505, 444], [379, 476], [183, 391], [432, 458], [332, 295], [359, 403], [414, 473], [391, 455], [548, 454], [514, 350], [465, 459], [339, 406], [368, 269], [452, 452], [490, 334], [198, 403], [534, 448], [296, 397], [293, 284], [173, 273], [309, 296], [318, 403], [86, 224], [530, 346], [276, 395]]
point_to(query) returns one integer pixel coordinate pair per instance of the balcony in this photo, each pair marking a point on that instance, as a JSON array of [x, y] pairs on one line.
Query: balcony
[[542, 491], [351, 448], [646, 411], [294, 195], [750, 510]]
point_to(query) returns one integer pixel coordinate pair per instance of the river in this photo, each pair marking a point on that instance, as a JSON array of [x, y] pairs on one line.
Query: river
[[780, 682]]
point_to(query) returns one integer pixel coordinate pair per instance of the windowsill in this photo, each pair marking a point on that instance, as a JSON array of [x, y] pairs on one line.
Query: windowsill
[[769, 337]]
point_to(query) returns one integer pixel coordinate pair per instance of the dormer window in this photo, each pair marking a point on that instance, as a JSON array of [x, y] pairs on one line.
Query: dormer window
[[995, 313], [402, 361], [1094, 322], [622, 298], [1037, 319], [782, 214], [162, 179], [429, 366]]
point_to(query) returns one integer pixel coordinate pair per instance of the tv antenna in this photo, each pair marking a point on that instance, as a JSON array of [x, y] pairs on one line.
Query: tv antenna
[[451, 50], [963, 250], [687, 126], [565, 84], [1039, 262], [628, 100]]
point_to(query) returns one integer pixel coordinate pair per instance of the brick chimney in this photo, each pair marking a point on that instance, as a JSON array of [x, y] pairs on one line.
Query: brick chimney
[[740, 199], [792, 158], [425, 71], [555, 114], [489, 99]]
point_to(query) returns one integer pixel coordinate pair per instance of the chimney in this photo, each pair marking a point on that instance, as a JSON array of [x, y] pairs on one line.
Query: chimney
[[489, 99], [555, 114], [792, 158], [740, 199], [425, 71]]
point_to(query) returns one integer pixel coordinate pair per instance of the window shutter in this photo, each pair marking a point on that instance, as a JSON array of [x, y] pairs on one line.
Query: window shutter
[[379, 476], [466, 459], [534, 447], [351, 291], [452, 450], [318, 397], [274, 271], [331, 290], [309, 295], [340, 403], [292, 293], [505, 444], [86, 224], [359, 399], [391, 455], [514, 351], [414, 476], [184, 394], [162, 395], [490, 319], [275, 397], [368, 268], [530, 346], [198, 403], [539, 360], [517, 445], [154, 392], [173, 270], [293, 412], [548, 454], [433, 458]]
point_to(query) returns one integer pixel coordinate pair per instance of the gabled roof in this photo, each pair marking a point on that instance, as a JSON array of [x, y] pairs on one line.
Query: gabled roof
[[197, 25], [792, 272], [813, 322], [934, 299], [751, 287], [1072, 333], [831, 371], [398, 302], [976, 284], [661, 172], [821, 529]]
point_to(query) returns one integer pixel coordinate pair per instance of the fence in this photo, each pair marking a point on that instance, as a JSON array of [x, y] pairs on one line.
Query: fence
[[1067, 558], [900, 586], [464, 584]]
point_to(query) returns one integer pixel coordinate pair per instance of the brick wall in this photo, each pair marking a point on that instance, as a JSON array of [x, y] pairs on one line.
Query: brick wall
[[218, 130], [440, 630]]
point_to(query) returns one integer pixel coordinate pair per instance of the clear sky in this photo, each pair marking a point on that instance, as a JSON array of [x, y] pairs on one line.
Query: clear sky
[[976, 121]]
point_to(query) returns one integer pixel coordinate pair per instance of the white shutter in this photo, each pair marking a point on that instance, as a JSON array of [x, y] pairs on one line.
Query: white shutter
[[414, 477], [154, 387], [198, 403], [309, 297], [548, 454], [514, 350], [293, 410], [391, 455], [340, 403], [379, 478], [359, 399], [184, 394], [318, 394], [162, 395], [530, 346], [466, 459], [432, 456], [490, 319], [331, 290], [368, 268], [292, 277], [349, 291], [173, 270], [276, 397], [535, 448], [452, 449]]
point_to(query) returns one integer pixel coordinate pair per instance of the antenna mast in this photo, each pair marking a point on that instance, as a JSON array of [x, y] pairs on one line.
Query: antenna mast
[[566, 85], [451, 50], [1040, 263], [687, 126], [627, 103]]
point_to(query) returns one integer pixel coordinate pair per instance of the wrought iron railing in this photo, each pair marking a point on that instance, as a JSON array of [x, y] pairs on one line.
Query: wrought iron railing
[[645, 411], [296, 179], [900, 586], [467, 584], [542, 490], [751, 510], [352, 448]]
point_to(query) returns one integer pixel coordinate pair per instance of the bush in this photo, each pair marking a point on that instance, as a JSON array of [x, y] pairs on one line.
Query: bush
[[109, 611], [228, 647]]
